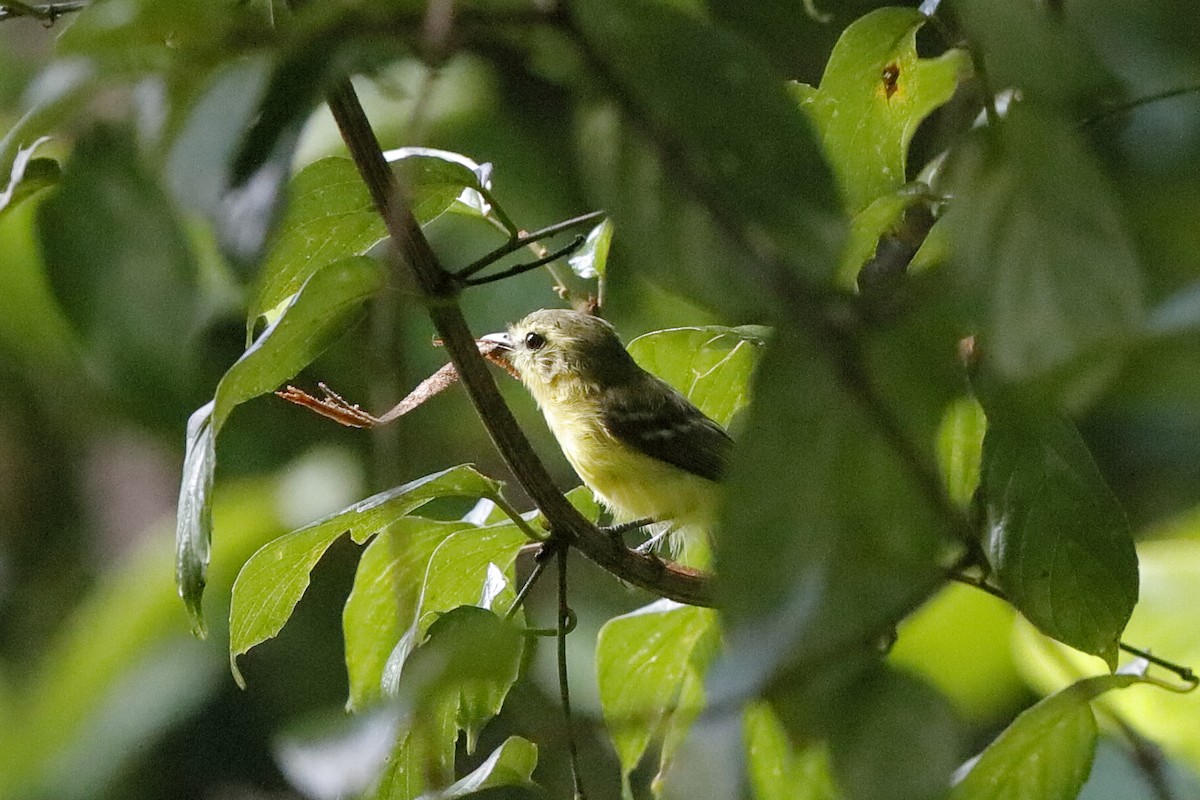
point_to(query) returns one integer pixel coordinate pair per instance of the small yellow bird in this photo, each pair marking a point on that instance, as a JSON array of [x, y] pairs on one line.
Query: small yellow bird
[[642, 448]]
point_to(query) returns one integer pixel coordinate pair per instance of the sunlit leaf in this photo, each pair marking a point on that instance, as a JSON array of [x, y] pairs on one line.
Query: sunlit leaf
[[384, 599], [711, 366], [1046, 752], [28, 175], [873, 95], [510, 764], [642, 659], [274, 579], [591, 259], [328, 303], [1057, 538], [1164, 623], [960, 448], [329, 216], [193, 520]]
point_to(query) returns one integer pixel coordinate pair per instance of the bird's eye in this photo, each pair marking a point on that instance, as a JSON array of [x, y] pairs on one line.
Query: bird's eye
[[534, 341]]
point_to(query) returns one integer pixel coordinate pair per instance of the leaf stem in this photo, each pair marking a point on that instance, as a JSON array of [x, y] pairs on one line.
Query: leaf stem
[[564, 619], [1185, 673]]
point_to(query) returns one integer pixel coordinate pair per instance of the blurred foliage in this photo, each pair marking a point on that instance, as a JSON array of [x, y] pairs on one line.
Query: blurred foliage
[[180, 229]]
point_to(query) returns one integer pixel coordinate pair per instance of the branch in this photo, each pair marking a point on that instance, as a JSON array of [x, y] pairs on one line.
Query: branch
[[438, 289], [48, 13], [1185, 673]]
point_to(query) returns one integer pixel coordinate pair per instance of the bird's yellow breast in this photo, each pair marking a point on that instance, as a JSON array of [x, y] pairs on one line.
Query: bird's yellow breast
[[630, 483]]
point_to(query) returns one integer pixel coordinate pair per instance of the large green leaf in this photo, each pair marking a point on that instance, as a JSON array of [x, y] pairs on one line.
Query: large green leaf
[[1046, 752], [329, 302], [456, 679], [325, 306], [828, 537], [1057, 538], [772, 188], [330, 216], [711, 365], [873, 95], [274, 579], [384, 599], [642, 660], [1042, 255]]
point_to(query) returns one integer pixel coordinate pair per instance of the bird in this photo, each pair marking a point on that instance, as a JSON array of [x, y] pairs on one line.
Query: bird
[[642, 448]]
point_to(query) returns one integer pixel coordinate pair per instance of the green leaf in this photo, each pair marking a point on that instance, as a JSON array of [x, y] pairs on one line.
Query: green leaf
[[329, 216], [325, 306], [435, 179], [1046, 752], [591, 259], [454, 680], [328, 303], [873, 95], [471, 567], [700, 108], [274, 579], [960, 448], [777, 770], [1057, 538], [642, 659], [710, 365], [1043, 258], [1164, 621], [193, 520], [510, 764], [384, 599], [853, 537]]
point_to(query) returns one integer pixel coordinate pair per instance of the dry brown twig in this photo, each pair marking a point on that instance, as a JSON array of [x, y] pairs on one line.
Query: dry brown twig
[[333, 406]]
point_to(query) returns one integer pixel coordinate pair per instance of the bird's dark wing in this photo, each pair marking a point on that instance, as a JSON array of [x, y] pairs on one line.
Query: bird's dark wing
[[671, 429]]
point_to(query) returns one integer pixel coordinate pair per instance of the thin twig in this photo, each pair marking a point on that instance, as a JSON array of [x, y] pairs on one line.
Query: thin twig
[[539, 566], [1185, 673], [524, 240], [48, 13], [1122, 108], [564, 618], [521, 269]]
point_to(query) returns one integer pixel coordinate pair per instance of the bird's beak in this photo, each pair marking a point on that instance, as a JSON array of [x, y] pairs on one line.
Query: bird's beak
[[499, 341], [497, 348]]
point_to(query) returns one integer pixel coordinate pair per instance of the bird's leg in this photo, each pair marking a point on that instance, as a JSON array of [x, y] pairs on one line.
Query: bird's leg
[[647, 547]]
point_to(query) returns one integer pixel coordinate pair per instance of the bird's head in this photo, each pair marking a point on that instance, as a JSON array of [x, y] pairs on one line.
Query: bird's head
[[553, 350]]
